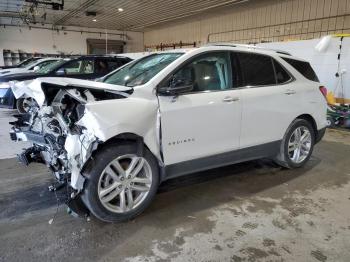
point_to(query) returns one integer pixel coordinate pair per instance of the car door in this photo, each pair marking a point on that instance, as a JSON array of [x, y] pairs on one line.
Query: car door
[[205, 121], [268, 105]]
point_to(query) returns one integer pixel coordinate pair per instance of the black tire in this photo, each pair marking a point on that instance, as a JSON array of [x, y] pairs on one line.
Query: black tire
[[19, 106], [95, 169], [283, 158]]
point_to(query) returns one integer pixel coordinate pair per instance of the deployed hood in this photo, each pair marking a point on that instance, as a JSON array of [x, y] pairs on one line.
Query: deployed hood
[[45, 88]]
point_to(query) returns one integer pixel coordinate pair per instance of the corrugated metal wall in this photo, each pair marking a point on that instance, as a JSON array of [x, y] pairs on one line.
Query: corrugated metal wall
[[257, 21]]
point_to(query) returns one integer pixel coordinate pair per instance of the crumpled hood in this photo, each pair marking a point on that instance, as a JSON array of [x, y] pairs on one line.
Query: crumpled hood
[[35, 88]]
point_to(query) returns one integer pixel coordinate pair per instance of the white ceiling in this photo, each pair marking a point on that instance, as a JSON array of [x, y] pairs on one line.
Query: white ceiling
[[137, 14]]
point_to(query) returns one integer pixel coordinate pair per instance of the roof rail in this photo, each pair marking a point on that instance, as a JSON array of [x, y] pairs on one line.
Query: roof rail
[[248, 46]]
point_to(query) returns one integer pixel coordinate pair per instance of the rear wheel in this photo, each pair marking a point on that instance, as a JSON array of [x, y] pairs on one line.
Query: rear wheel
[[297, 144], [120, 183]]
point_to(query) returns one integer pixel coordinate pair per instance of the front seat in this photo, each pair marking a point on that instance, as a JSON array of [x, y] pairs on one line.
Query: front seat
[[207, 77]]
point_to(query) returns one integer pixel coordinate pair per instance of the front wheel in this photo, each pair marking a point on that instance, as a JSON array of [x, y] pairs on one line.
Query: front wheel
[[297, 144], [120, 184], [23, 104]]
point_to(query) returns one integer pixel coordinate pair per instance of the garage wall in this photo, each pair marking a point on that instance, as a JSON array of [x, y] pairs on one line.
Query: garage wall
[[47, 41], [258, 20]]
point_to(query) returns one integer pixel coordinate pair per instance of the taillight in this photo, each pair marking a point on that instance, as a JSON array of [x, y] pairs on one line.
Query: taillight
[[323, 91]]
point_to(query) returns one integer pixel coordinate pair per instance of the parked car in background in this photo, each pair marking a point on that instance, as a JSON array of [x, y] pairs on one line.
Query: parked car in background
[[83, 67], [30, 67], [170, 114], [21, 64]]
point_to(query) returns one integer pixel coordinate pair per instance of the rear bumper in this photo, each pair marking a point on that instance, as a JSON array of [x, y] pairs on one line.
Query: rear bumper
[[320, 134]]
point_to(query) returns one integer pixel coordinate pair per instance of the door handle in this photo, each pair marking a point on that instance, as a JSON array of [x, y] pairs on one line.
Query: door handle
[[228, 99], [290, 92]]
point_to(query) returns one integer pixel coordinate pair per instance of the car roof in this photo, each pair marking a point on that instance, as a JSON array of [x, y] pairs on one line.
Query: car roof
[[236, 47], [48, 59], [100, 56]]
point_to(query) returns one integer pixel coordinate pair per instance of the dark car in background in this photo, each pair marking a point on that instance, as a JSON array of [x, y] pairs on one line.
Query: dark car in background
[[83, 67]]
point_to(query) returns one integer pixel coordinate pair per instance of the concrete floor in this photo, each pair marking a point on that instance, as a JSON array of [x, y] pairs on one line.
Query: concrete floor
[[248, 212]]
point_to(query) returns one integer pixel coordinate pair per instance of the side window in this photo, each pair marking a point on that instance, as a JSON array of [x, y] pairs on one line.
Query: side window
[[87, 67], [207, 72], [281, 74], [43, 64], [78, 67], [257, 70], [114, 64], [303, 68], [101, 66]]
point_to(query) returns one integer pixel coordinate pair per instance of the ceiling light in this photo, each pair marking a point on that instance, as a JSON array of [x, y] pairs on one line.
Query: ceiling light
[[120, 9], [94, 20]]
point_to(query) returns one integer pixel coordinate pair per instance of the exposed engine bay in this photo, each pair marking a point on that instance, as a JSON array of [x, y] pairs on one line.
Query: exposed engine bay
[[58, 138]]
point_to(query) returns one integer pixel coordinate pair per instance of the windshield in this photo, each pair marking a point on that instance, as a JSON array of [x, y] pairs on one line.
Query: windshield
[[50, 66], [27, 62], [142, 70]]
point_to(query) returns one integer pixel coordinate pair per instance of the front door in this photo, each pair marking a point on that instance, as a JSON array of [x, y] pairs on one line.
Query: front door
[[205, 121]]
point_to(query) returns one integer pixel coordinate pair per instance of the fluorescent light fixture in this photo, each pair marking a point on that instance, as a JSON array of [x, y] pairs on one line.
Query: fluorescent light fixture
[[94, 20], [120, 9]]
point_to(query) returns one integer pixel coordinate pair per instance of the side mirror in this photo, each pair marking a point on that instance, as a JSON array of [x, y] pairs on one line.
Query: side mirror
[[177, 87], [36, 68], [61, 72]]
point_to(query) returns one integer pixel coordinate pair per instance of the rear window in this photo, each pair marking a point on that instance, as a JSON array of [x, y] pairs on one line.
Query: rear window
[[257, 69], [303, 68]]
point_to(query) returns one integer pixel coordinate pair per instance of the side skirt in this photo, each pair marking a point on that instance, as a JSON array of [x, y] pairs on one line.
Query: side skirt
[[241, 155]]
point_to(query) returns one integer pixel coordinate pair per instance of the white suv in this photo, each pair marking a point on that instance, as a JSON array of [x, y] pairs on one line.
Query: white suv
[[170, 114]]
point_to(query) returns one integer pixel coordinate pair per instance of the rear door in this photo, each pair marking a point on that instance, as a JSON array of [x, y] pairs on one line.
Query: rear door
[[268, 96]]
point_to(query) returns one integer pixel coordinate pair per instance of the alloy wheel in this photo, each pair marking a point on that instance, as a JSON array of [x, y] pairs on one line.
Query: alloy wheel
[[125, 183], [299, 144]]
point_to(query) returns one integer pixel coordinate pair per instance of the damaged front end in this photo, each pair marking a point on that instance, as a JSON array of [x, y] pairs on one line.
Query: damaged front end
[[52, 124]]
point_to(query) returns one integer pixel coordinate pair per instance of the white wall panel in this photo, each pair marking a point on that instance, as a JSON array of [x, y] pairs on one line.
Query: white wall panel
[[325, 64], [52, 42], [267, 20]]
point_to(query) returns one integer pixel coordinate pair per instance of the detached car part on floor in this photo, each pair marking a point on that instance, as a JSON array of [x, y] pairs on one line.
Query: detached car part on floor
[[166, 115]]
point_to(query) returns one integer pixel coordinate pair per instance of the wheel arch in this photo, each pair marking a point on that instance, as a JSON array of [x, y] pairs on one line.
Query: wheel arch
[[125, 137], [139, 140], [120, 138], [311, 120]]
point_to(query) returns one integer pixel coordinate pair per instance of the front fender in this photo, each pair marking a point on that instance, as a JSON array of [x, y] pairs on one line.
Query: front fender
[[107, 119]]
